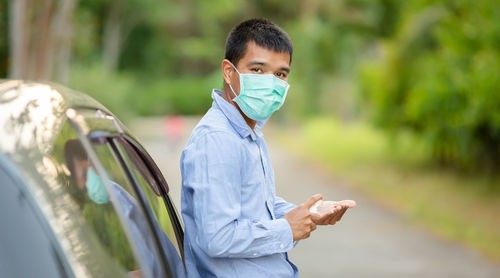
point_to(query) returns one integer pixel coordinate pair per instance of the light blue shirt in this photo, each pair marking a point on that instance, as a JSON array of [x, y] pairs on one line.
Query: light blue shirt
[[234, 224]]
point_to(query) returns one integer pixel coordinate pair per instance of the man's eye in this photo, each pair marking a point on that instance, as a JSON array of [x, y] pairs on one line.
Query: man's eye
[[257, 70], [280, 75]]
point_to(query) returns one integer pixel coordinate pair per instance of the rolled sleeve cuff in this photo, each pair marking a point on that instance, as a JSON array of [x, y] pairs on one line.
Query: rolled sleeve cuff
[[283, 211], [284, 241]]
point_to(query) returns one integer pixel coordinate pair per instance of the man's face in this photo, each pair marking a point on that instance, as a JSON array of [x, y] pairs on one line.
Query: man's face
[[259, 60], [80, 172]]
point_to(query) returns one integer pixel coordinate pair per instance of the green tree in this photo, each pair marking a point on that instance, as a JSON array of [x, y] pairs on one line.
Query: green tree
[[438, 77]]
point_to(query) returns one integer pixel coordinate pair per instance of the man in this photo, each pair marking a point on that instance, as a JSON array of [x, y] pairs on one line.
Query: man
[[235, 225]]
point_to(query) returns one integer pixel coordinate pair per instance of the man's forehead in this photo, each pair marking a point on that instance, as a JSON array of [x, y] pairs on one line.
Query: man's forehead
[[257, 54]]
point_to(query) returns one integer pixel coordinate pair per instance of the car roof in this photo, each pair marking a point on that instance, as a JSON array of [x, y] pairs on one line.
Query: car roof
[[32, 113]]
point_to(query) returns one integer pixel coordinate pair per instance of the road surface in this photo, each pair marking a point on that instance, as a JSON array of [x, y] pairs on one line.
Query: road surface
[[370, 241]]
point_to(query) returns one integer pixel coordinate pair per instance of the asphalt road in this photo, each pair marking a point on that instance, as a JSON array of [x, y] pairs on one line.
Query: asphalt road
[[370, 241]]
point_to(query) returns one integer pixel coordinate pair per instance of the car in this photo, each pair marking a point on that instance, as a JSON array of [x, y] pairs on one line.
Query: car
[[79, 195]]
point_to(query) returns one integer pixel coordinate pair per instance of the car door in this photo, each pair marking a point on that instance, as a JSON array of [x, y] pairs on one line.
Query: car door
[[112, 206], [93, 210], [28, 247], [147, 185], [147, 175]]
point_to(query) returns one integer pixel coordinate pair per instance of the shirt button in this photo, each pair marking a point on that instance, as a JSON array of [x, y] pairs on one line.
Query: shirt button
[[255, 254], [282, 246]]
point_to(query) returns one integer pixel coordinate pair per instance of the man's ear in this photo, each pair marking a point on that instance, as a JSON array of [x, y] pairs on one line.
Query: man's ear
[[227, 71]]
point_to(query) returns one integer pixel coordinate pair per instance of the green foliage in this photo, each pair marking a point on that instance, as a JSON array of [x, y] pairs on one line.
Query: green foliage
[[345, 145], [112, 89], [175, 47], [439, 77], [127, 95], [328, 39], [184, 95], [430, 66]]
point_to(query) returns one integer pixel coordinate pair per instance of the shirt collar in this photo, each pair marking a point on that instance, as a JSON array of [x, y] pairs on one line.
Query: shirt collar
[[235, 118]]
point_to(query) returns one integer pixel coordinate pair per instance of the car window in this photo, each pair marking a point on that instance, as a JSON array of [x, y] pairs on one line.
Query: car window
[[129, 199], [26, 248], [109, 248], [165, 218]]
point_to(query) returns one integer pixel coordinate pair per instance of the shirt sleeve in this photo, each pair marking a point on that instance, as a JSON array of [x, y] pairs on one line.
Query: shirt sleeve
[[211, 173], [282, 207]]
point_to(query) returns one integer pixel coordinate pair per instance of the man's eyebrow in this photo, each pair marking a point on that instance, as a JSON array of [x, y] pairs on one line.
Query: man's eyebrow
[[285, 69], [253, 63]]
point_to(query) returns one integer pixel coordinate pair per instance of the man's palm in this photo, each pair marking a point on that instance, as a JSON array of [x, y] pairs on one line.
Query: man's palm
[[330, 212]]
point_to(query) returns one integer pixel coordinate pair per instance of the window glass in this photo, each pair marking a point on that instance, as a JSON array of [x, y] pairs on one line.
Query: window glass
[[97, 235], [99, 211], [163, 218], [127, 199]]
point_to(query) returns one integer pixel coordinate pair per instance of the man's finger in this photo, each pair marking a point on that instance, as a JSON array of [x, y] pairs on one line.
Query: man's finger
[[312, 200], [333, 216], [334, 219], [348, 203], [340, 214]]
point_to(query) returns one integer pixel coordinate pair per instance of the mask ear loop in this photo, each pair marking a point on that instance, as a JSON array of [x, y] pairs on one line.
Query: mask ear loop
[[232, 90], [231, 87]]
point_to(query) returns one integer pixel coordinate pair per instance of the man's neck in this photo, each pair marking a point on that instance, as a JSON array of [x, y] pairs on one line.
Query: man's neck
[[226, 94]]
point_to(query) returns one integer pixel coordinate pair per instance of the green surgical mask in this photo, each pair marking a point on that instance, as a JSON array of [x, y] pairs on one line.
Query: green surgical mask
[[95, 187], [260, 94]]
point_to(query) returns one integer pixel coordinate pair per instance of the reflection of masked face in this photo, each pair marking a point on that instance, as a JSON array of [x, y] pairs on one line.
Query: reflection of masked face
[[79, 172], [95, 187]]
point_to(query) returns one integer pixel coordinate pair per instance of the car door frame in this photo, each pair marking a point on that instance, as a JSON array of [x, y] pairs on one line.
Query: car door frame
[[140, 154], [94, 124]]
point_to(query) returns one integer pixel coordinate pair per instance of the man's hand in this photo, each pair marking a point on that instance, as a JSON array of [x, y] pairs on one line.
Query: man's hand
[[300, 218], [330, 212]]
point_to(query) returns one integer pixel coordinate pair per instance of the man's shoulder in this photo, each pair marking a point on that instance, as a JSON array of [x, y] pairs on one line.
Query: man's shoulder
[[213, 135], [213, 123]]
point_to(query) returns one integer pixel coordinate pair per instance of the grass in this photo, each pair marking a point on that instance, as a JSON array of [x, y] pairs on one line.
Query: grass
[[398, 171]]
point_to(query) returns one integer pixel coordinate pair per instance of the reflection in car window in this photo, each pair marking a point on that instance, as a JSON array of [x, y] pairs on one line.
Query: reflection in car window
[[133, 212], [157, 204], [101, 244], [99, 213]]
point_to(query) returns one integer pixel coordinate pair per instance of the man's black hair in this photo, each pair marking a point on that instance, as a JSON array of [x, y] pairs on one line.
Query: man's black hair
[[261, 31]]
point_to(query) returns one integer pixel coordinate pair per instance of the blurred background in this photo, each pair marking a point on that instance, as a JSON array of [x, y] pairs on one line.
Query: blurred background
[[397, 100]]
